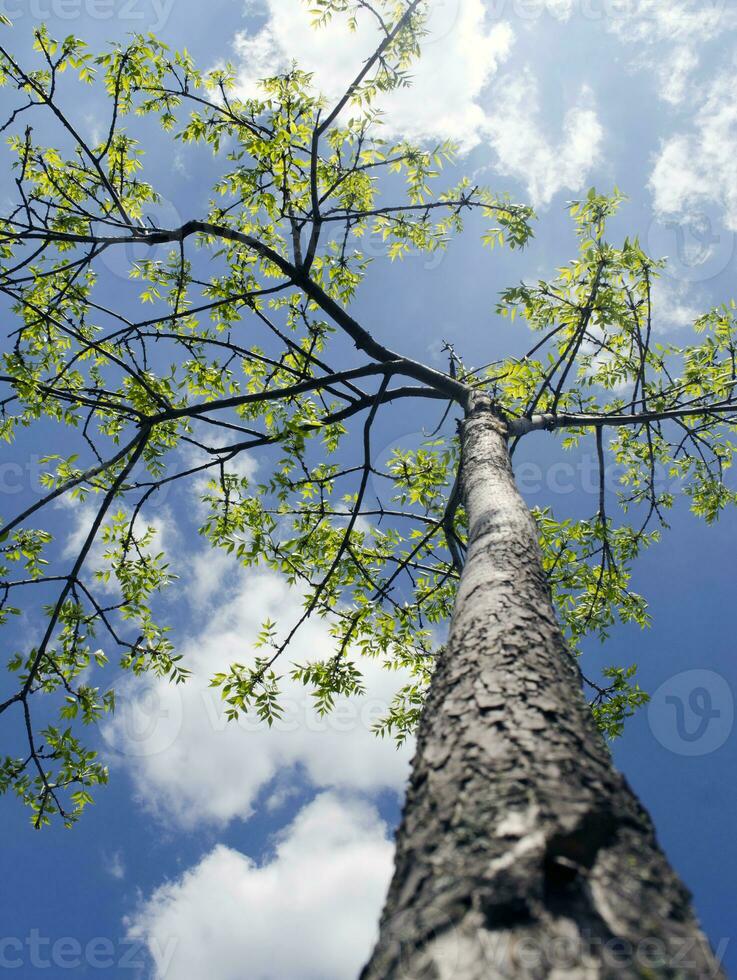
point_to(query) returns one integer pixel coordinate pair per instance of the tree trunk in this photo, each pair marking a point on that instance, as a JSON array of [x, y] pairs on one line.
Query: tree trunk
[[522, 851]]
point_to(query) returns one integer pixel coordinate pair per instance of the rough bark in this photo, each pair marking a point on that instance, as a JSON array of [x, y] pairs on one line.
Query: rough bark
[[522, 851]]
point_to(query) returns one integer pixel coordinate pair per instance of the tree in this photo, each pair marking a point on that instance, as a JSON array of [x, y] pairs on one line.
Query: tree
[[518, 834]]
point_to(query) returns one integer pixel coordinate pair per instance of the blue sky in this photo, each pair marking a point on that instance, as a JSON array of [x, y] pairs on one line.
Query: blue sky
[[238, 853]]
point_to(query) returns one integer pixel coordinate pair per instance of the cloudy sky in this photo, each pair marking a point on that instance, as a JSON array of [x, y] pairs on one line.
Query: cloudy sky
[[239, 853]]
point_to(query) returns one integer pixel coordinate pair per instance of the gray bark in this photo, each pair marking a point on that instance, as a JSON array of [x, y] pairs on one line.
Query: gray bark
[[522, 851]]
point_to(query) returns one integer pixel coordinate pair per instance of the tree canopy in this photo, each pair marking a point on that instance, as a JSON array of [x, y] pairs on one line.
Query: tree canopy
[[238, 340]]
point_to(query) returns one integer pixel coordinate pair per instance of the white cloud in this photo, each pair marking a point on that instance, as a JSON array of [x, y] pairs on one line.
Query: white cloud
[[672, 306], [450, 96], [524, 150], [671, 37], [179, 165], [699, 165], [678, 20], [95, 128], [115, 866], [674, 180], [82, 516], [460, 54], [308, 913], [192, 766], [674, 73]]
